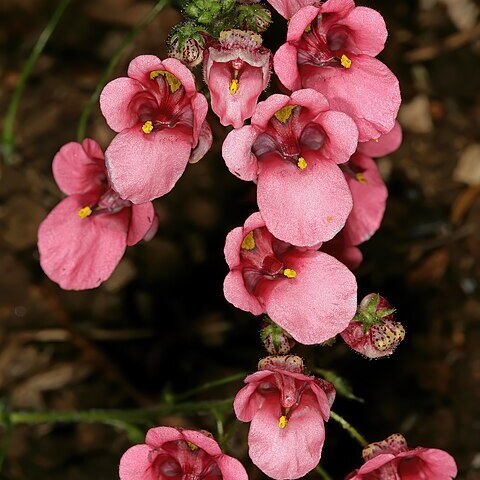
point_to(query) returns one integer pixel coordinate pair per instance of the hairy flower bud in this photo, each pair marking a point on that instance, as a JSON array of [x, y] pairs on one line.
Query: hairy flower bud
[[275, 340], [206, 11], [373, 332], [187, 43], [254, 17]]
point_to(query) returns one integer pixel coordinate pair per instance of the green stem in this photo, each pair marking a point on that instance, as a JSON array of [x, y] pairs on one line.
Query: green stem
[[85, 115], [8, 138], [143, 415], [351, 430], [210, 385], [323, 473], [7, 433]]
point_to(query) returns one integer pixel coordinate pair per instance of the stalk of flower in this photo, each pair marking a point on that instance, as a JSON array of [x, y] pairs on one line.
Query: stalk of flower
[[332, 48], [393, 459], [160, 118], [293, 149], [308, 293], [84, 237], [287, 410]]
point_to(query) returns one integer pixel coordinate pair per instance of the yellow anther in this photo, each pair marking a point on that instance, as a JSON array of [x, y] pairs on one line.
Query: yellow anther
[[192, 446], [284, 113], [282, 421], [234, 86], [308, 28], [302, 163], [147, 127], [376, 140], [329, 219], [84, 212], [361, 178], [248, 242], [290, 273], [345, 61], [173, 82]]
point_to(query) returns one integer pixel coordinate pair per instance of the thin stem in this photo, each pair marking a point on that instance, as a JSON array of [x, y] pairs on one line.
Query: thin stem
[[8, 138], [7, 434], [209, 385], [323, 473], [142, 415], [85, 115], [354, 433]]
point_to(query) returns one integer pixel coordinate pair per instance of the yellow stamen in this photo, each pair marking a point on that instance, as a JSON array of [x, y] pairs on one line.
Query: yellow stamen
[[234, 86], [302, 163], [192, 446], [248, 242], [345, 61], [361, 178], [329, 219], [84, 212], [282, 421], [284, 113], [173, 82], [290, 273], [147, 127], [308, 28], [376, 140]]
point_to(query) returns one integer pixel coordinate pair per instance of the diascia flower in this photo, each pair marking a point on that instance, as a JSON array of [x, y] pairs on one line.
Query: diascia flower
[[287, 410], [308, 293], [368, 189], [292, 150], [331, 48], [84, 237], [393, 459], [236, 70], [160, 118], [177, 454]]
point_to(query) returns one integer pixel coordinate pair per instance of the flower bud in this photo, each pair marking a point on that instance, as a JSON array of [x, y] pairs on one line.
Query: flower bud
[[373, 332], [275, 340], [207, 11], [254, 17], [187, 43]]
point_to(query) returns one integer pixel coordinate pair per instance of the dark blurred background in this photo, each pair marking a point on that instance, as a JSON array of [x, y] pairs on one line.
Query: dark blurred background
[[161, 323]]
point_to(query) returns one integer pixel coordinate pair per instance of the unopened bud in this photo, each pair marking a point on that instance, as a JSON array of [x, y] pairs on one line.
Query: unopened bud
[[373, 332], [290, 363], [187, 43], [275, 340], [254, 17]]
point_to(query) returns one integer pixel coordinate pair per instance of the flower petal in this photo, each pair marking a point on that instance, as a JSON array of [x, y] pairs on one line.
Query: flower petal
[[288, 8], [136, 464], [236, 293], [141, 66], [205, 140], [206, 443], [286, 67], [384, 145], [142, 167], [231, 468], [81, 253], [141, 220], [157, 436]]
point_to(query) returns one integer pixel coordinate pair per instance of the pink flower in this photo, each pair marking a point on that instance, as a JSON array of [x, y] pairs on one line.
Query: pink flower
[[342, 250], [177, 454], [292, 150], [373, 332], [84, 237], [367, 186], [392, 459], [331, 48], [309, 294], [161, 122], [286, 409], [236, 70]]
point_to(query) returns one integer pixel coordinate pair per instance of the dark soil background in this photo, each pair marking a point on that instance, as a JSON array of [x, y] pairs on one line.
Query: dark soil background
[[161, 323]]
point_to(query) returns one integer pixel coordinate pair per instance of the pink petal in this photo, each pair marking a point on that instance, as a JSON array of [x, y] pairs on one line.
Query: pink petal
[[234, 109], [300, 21], [143, 167], [375, 463], [368, 91], [440, 464], [266, 110], [288, 8], [81, 253], [237, 152], [314, 101], [236, 293], [286, 67], [76, 171], [93, 149], [384, 145], [202, 441], [205, 140], [341, 7], [135, 464], [231, 468], [248, 401], [141, 66], [141, 219], [290, 452], [115, 103], [200, 110], [369, 201], [349, 255], [157, 436], [316, 305], [184, 75], [342, 136], [367, 31], [303, 207]]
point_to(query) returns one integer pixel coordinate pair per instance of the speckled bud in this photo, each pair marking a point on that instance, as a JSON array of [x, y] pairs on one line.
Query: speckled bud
[[275, 340], [191, 54], [290, 363], [374, 332]]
